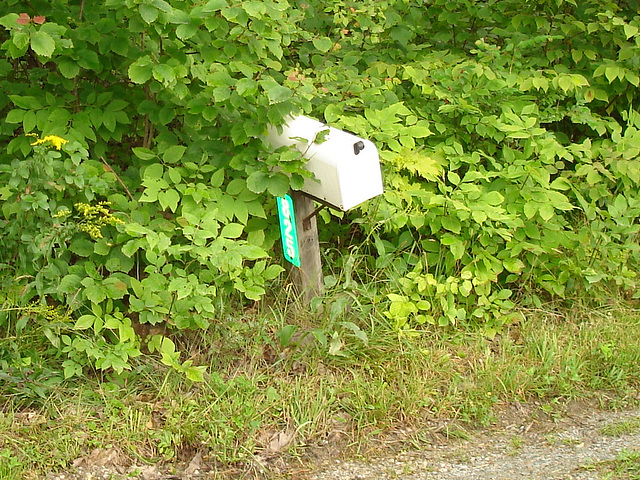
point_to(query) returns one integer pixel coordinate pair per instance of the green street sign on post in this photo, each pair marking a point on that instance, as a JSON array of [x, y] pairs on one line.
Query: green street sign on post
[[288, 230]]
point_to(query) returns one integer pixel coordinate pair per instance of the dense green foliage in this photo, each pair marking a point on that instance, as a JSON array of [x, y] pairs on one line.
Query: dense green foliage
[[508, 131], [526, 185]]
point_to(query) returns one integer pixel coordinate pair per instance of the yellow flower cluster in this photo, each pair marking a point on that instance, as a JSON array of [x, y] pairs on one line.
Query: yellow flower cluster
[[62, 213], [50, 312], [91, 219], [54, 140], [95, 217]]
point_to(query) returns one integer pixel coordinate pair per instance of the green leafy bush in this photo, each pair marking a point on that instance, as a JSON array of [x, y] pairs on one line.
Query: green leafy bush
[[163, 106], [508, 134], [509, 139]]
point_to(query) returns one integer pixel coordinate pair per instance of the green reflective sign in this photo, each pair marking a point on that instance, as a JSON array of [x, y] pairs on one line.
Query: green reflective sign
[[288, 230]]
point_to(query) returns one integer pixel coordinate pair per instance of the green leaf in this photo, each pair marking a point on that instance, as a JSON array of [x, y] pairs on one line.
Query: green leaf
[[254, 8], [71, 369], [184, 32], [166, 115], [612, 72], [131, 247], [95, 293], [42, 43], [560, 183], [109, 120], [251, 252], [69, 283], [168, 350], [148, 13], [162, 5], [401, 34], [15, 116], [252, 292], [630, 30], [174, 175], [9, 20], [169, 199], [217, 178], [457, 249], [181, 286], [26, 101], [179, 17], [451, 223], [214, 6], [257, 181], [143, 153], [68, 68], [88, 59], [154, 171], [164, 73], [117, 105], [112, 323], [174, 153], [632, 78], [278, 184], [335, 345], [320, 336], [276, 93], [29, 121], [420, 130], [285, 334], [493, 198], [356, 331], [246, 87], [141, 70], [195, 374], [546, 211], [232, 230], [21, 40], [530, 209], [84, 322], [272, 272], [82, 247], [323, 44], [513, 265]]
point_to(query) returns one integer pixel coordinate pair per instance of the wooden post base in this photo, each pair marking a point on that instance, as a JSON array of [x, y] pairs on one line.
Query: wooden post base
[[308, 277]]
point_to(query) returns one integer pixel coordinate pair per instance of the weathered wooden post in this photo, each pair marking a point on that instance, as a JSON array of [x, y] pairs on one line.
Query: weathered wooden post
[[346, 172], [308, 276], [300, 245]]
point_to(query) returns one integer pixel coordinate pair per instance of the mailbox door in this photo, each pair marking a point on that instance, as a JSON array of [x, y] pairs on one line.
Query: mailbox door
[[346, 168]]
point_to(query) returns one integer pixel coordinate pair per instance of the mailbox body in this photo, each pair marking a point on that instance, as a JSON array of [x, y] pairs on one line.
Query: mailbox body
[[346, 168]]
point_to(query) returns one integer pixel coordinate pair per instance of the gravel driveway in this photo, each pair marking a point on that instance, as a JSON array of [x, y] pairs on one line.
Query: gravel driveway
[[575, 448]]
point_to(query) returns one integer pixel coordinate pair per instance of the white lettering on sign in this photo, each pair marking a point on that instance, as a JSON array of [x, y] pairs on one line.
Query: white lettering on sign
[[288, 238], [288, 230]]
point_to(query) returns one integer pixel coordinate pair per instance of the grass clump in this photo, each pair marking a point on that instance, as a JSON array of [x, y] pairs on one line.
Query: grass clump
[[626, 466], [625, 427]]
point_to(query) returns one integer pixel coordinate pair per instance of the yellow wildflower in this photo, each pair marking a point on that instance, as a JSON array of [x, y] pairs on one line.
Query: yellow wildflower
[[63, 212], [55, 140], [95, 217]]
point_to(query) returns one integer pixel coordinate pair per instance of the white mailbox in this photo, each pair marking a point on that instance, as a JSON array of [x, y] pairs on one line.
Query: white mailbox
[[346, 167]]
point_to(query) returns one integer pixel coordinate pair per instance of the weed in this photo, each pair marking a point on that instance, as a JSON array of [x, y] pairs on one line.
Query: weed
[[517, 442], [11, 467], [626, 466], [456, 432], [625, 427]]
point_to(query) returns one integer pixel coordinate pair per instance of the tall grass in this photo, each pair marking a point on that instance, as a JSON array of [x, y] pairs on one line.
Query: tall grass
[[341, 369]]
